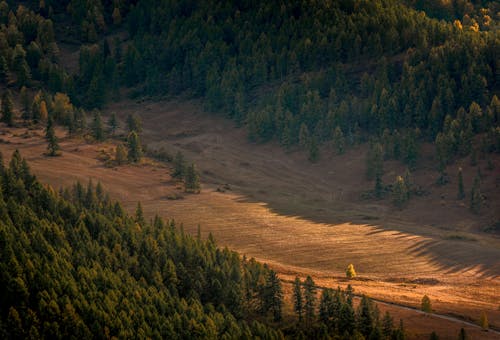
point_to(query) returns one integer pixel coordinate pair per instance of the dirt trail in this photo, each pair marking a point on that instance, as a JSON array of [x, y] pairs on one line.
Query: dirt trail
[[397, 260]]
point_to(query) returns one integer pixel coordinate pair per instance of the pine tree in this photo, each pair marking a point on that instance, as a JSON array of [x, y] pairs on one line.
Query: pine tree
[[120, 155], [339, 140], [476, 198], [303, 135], [462, 335], [3, 69], [375, 161], [379, 187], [313, 150], [387, 325], [309, 299], [112, 124], [365, 317], [399, 192], [350, 272], [179, 165], [134, 123], [134, 148], [461, 191], [97, 128], [298, 303], [139, 215], [426, 304], [483, 321], [274, 294], [53, 145], [26, 104], [192, 179], [433, 336], [7, 108]]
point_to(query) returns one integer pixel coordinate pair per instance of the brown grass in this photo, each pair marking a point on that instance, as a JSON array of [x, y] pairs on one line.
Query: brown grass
[[313, 222]]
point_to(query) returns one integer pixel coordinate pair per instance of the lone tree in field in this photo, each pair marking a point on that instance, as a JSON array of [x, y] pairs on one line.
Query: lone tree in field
[[298, 303], [462, 335], [192, 179], [7, 108], [483, 321], [426, 304], [476, 198], [461, 191], [179, 165], [309, 299], [134, 148], [120, 155], [399, 192], [53, 146], [350, 272]]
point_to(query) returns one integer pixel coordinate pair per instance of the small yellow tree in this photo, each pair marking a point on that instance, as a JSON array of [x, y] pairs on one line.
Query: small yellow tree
[[350, 272], [483, 321], [426, 304]]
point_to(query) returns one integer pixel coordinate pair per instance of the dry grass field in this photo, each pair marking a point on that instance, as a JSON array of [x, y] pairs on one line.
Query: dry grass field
[[302, 218]]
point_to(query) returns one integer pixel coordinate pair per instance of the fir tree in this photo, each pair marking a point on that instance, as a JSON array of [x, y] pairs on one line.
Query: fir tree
[[112, 124], [25, 103], [134, 123], [192, 179], [50, 135], [476, 198], [462, 335], [7, 108], [339, 140], [134, 154], [375, 161], [461, 191], [313, 150], [309, 299], [298, 303], [483, 321], [179, 165], [274, 294], [426, 304], [379, 187], [97, 128], [399, 192], [139, 215], [120, 155]]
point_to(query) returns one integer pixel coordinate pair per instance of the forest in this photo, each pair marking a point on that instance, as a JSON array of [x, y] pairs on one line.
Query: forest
[[73, 264]]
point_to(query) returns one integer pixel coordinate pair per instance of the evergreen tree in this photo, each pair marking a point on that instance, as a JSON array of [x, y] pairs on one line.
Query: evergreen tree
[[309, 299], [53, 145], [462, 335], [3, 69], [313, 150], [339, 140], [139, 215], [375, 161], [298, 303], [379, 187], [112, 124], [476, 198], [97, 128], [134, 123], [433, 336], [483, 321], [304, 136], [387, 325], [192, 179], [179, 165], [461, 191], [399, 192], [426, 304], [120, 155], [7, 108], [25, 104], [365, 317], [274, 294], [134, 154]]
